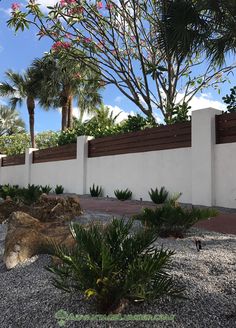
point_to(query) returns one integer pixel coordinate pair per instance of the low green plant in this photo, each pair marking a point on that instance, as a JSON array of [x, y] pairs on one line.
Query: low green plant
[[114, 266], [8, 190], [46, 189], [123, 194], [59, 189], [173, 198], [170, 220], [95, 191], [158, 196], [30, 195]]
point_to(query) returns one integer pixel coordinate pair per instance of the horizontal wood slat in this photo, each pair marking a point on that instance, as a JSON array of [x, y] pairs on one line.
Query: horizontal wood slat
[[160, 138], [13, 160], [54, 154], [226, 128]]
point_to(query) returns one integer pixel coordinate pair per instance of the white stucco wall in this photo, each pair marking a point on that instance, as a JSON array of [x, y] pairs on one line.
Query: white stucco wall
[[55, 173], [14, 175], [141, 171], [225, 175]]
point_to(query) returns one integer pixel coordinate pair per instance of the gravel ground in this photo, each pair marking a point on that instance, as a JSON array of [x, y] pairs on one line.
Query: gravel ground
[[29, 300]]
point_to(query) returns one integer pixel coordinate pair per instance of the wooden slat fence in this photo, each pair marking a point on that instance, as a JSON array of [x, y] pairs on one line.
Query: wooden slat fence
[[53, 154], [13, 160], [164, 137], [226, 128]]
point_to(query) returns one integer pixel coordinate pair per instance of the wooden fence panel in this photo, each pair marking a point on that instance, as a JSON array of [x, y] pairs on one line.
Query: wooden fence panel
[[226, 128], [13, 160], [53, 154], [163, 137]]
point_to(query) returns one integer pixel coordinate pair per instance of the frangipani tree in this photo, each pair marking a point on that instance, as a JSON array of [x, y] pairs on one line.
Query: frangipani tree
[[149, 49]]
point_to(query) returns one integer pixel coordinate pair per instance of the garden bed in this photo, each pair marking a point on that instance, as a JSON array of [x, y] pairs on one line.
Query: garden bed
[[28, 299]]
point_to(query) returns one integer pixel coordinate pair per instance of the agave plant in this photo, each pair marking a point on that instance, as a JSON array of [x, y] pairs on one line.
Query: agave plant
[[30, 194], [46, 189], [113, 266], [158, 196], [95, 191], [8, 190], [59, 189], [123, 194]]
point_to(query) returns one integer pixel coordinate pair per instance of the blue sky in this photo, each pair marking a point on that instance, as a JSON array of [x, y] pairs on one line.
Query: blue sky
[[18, 51]]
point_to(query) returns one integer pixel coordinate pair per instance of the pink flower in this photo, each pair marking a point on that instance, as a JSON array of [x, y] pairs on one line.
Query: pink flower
[[99, 5], [59, 45], [15, 6], [109, 6], [68, 36], [87, 40], [132, 38], [64, 3]]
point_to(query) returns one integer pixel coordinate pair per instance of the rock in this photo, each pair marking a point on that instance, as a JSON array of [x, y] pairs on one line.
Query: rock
[[48, 208], [27, 236]]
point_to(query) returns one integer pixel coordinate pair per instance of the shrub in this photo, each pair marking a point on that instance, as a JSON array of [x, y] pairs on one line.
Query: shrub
[[137, 123], [113, 266], [170, 220], [158, 196], [59, 189], [123, 194], [17, 143], [46, 189], [95, 191]]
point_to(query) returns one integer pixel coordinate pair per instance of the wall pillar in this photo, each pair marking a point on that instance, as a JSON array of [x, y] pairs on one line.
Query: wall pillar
[[81, 157], [1, 156], [28, 164], [203, 141]]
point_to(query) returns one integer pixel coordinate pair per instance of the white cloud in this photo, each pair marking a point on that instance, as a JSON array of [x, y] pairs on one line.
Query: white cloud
[[204, 101], [114, 109], [45, 3], [123, 114], [76, 114]]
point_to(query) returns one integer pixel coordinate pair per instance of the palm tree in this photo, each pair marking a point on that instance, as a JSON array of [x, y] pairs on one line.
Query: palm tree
[[88, 97], [10, 121], [19, 88], [206, 26], [104, 117], [62, 80]]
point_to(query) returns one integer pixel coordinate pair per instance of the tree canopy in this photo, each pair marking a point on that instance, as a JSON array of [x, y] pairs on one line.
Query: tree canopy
[[152, 51]]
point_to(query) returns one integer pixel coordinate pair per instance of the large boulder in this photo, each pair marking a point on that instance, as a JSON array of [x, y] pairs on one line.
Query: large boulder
[[48, 208], [27, 236]]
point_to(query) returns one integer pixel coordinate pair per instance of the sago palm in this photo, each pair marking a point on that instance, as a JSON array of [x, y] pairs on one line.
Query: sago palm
[[19, 88]]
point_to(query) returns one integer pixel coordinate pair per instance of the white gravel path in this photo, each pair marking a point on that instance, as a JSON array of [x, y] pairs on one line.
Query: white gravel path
[[27, 298]]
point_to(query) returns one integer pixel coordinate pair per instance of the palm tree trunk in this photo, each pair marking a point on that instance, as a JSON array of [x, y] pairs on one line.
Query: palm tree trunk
[[70, 112], [64, 117], [65, 107], [31, 107]]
